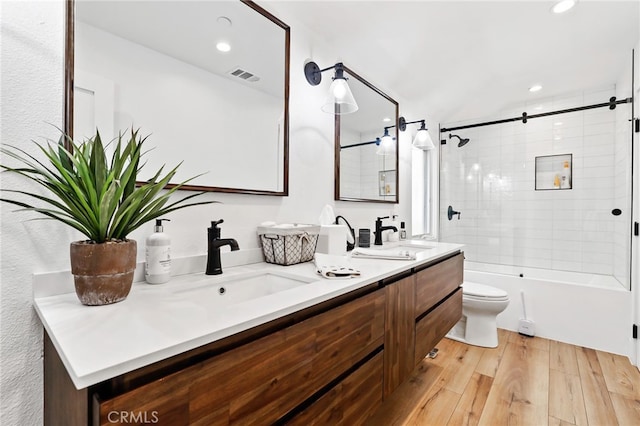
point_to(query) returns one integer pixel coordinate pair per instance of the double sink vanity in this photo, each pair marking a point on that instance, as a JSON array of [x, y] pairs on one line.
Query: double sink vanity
[[259, 344]]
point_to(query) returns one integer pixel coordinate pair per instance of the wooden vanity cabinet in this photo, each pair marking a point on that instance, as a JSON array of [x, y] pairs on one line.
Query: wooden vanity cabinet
[[438, 303], [259, 382], [332, 363], [421, 309]]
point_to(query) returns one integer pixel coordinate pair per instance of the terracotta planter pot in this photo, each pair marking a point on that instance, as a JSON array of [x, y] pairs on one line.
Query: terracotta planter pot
[[103, 273]]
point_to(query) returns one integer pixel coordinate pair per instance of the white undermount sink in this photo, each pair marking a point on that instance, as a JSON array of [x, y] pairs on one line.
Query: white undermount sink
[[238, 288]]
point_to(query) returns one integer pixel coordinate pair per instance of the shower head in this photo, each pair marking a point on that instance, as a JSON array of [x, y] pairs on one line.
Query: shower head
[[462, 142]]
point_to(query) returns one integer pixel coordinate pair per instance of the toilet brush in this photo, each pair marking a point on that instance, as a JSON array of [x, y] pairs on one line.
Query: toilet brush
[[526, 326]]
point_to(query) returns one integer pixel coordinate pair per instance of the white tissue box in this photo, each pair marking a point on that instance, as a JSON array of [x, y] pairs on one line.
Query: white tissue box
[[332, 240]]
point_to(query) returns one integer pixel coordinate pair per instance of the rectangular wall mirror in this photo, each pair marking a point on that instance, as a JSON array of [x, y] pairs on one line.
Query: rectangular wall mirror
[[366, 165], [208, 81]]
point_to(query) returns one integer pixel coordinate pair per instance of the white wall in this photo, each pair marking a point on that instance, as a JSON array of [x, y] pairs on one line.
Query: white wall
[[32, 96]]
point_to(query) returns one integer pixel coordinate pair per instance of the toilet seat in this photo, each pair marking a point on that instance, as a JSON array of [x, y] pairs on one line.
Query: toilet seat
[[477, 291]]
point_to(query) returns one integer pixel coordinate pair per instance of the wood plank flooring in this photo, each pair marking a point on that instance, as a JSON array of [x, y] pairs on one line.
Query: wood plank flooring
[[524, 381]]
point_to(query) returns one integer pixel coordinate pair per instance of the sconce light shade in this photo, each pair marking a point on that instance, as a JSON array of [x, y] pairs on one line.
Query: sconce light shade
[[340, 99], [423, 139], [386, 145]]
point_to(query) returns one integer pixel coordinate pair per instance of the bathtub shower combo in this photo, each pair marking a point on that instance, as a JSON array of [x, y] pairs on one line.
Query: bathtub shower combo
[[542, 201]]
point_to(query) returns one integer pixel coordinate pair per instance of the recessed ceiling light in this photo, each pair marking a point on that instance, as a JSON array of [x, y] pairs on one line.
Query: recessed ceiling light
[[223, 46], [563, 6], [558, 123], [386, 119], [535, 88]]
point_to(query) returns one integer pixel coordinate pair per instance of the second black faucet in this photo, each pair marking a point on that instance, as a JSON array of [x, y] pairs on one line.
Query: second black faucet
[[380, 228]]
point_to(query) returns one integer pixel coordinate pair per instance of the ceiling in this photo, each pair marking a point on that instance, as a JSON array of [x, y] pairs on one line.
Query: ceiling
[[459, 60]]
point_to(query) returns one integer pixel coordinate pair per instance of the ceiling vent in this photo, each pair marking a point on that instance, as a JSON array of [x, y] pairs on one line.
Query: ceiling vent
[[243, 75]]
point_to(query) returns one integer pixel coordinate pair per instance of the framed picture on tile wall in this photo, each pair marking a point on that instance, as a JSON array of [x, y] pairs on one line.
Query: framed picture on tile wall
[[553, 172], [387, 182]]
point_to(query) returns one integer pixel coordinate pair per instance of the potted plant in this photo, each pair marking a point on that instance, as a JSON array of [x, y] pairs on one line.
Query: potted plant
[[102, 198]]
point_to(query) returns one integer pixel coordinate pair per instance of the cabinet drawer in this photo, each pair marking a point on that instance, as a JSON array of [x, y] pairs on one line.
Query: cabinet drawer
[[262, 380], [436, 282], [351, 401], [433, 327]]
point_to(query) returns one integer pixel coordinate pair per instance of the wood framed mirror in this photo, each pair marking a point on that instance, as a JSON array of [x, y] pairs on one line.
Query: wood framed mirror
[[366, 166], [154, 65]]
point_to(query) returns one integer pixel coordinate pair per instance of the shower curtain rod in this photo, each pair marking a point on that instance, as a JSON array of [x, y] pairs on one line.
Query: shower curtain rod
[[362, 144], [611, 104], [358, 144]]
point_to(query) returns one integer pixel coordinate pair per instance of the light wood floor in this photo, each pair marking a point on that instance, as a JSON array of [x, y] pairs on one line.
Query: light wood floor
[[524, 381]]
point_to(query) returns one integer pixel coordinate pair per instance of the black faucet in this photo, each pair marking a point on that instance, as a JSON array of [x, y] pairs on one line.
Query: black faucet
[[380, 228], [214, 267]]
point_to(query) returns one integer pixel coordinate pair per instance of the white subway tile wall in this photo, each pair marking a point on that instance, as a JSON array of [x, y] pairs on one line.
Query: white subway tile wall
[[504, 220]]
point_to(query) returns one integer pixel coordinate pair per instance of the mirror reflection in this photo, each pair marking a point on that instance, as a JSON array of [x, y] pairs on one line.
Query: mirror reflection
[[366, 145], [208, 81]]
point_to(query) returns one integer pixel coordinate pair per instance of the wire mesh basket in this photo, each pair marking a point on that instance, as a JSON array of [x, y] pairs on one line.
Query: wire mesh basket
[[288, 245]]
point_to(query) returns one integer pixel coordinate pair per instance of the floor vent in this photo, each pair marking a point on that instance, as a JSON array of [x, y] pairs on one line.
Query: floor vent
[[243, 74]]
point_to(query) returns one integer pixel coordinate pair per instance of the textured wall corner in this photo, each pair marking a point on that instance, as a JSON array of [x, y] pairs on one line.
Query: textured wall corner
[[31, 98]]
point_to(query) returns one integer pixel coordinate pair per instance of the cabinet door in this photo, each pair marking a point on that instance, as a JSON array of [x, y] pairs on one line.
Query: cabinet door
[[262, 380], [351, 401], [399, 333], [435, 325], [436, 282]]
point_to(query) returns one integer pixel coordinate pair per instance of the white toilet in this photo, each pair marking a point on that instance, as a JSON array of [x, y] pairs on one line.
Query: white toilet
[[481, 304]]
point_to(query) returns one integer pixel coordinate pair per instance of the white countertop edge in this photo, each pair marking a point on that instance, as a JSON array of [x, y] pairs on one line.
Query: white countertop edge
[[104, 369]]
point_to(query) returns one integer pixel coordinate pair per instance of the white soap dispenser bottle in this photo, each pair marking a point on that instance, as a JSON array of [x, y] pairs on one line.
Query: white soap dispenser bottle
[[157, 268]]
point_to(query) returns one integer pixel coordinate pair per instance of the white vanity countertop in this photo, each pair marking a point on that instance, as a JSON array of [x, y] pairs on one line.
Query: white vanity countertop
[[156, 322]]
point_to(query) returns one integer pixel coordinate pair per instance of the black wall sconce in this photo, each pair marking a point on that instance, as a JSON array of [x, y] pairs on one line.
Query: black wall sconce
[[423, 139], [340, 99]]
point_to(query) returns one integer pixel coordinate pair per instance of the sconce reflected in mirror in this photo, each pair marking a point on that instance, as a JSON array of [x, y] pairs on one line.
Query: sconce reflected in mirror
[[385, 144], [340, 100], [422, 139]]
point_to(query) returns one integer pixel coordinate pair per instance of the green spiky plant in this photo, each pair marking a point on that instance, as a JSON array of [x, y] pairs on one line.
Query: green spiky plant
[[97, 196]]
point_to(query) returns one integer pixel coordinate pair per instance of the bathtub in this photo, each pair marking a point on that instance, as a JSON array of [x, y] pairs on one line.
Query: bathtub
[[594, 311]]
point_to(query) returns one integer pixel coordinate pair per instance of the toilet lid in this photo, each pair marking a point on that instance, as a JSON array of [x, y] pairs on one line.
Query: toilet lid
[[481, 290]]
